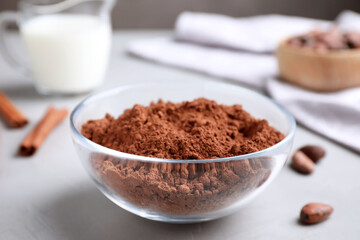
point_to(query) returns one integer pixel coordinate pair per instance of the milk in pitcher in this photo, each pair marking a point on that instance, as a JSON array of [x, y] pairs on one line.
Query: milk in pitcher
[[68, 53]]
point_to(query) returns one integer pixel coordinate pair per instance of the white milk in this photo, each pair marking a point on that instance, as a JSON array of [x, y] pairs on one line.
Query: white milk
[[68, 53]]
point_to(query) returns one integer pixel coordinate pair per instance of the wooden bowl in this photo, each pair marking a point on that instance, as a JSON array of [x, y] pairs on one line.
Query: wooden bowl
[[330, 71]]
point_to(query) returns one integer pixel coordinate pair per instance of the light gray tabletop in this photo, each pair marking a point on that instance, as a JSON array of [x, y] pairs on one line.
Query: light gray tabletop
[[50, 196]]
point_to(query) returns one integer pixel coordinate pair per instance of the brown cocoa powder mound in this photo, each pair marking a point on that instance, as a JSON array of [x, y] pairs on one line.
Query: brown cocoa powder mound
[[190, 130], [200, 129]]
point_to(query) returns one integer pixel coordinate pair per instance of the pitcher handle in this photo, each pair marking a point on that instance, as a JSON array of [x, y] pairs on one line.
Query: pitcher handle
[[6, 18]]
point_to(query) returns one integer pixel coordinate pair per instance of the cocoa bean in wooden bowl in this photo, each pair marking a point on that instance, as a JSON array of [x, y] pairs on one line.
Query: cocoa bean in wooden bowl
[[322, 61]]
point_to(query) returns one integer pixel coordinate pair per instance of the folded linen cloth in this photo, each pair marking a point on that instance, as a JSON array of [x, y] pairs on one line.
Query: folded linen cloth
[[256, 34], [348, 21], [216, 52], [251, 69], [334, 115]]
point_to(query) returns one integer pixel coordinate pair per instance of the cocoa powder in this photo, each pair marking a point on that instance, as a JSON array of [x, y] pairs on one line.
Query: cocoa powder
[[200, 129]]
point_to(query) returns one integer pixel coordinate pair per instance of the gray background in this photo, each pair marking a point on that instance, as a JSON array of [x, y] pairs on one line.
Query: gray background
[[162, 13]]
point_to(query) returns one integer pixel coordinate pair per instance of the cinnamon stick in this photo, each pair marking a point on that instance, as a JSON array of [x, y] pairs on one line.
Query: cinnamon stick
[[10, 113], [37, 136]]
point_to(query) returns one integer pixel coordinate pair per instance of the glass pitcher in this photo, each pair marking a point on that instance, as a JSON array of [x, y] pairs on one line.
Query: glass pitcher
[[67, 43]]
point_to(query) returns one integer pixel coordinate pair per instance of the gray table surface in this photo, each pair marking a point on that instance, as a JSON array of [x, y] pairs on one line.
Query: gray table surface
[[50, 196]]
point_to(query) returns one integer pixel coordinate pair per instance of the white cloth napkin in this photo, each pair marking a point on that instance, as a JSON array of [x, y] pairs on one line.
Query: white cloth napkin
[[348, 21], [249, 68], [256, 34], [211, 44], [334, 115]]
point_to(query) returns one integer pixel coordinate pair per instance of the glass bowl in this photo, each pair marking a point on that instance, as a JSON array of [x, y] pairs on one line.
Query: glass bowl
[[181, 191]]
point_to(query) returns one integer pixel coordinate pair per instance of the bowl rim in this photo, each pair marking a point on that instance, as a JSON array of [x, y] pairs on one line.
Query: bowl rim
[[99, 148]]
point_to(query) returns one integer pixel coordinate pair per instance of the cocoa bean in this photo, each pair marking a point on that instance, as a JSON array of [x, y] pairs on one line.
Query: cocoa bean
[[315, 212], [302, 163], [315, 153]]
